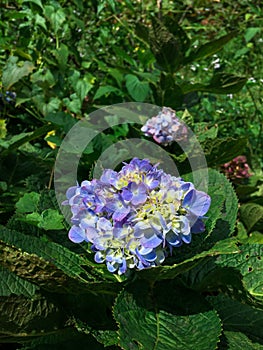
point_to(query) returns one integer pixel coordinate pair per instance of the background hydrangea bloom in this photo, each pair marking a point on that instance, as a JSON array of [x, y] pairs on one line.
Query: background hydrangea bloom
[[165, 128], [237, 169], [135, 217]]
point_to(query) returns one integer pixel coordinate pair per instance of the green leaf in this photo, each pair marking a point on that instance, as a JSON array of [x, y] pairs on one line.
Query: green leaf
[[142, 328], [55, 268], [12, 284], [250, 264], [251, 214], [37, 2], [51, 220], [137, 89], [56, 16], [166, 48], [28, 203], [62, 119], [221, 83], [14, 71], [203, 131], [107, 338], [62, 54], [82, 88], [239, 317], [3, 130], [23, 319], [105, 90], [227, 246], [251, 32], [40, 21], [18, 140], [167, 92], [221, 150], [211, 47], [239, 341]]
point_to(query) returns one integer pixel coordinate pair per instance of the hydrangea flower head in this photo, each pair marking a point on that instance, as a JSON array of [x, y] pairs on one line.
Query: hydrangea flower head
[[135, 217], [237, 169], [165, 128]]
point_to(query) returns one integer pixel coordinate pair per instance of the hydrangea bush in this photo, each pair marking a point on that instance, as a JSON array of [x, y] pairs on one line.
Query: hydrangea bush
[[135, 217]]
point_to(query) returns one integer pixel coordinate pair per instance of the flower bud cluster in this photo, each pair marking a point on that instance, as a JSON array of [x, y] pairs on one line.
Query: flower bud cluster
[[237, 168]]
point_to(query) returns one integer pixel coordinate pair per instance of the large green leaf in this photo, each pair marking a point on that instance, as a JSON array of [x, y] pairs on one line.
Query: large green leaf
[[224, 203], [211, 47], [137, 89], [221, 83], [147, 328], [166, 47], [14, 71], [227, 246], [239, 341], [37, 2], [50, 265], [251, 214], [167, 92], [18, 140], [250, 264], [239, 317], [22, 319], [12, 284], [222, 150]]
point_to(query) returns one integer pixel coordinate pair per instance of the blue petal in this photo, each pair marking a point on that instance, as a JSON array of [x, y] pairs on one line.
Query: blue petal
[[76, 234], [151, 241], [123, 267], [187, 238], [99, 257], [197, 202], [173, 239], [198, 226], [111, 267], [91, 233], [150, 257]]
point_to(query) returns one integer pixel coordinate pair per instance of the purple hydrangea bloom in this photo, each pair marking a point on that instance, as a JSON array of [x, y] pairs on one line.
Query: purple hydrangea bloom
[[165, 128], [135, 217], [237, 169]]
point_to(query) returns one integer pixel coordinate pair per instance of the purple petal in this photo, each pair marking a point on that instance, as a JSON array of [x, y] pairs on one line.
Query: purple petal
[[198, 226], [71, 192], [123, 266], [126, 194], [120, 214]]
